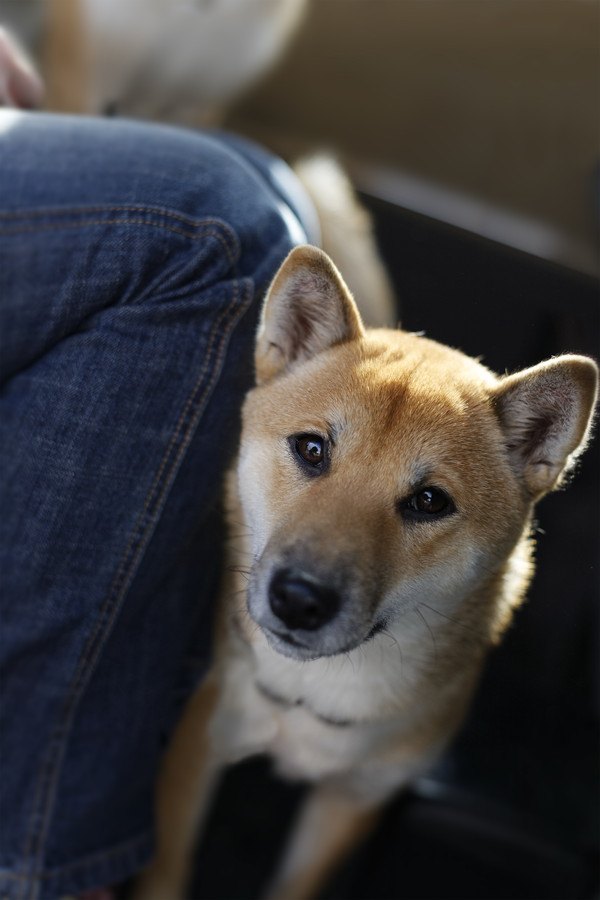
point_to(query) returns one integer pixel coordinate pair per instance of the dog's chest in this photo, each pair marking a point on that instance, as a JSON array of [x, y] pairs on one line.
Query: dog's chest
[[314, 720]]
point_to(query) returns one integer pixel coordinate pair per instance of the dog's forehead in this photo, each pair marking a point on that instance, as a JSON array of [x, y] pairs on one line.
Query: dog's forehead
[[422, 397], [411, 372], [388, 379]]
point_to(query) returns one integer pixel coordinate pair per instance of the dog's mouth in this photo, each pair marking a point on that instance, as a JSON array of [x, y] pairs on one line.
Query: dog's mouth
[[290, 645], [289, 639], [377, 628]]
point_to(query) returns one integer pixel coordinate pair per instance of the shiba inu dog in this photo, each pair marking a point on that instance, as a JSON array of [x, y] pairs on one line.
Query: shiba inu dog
[[387, 484], [167, 60]]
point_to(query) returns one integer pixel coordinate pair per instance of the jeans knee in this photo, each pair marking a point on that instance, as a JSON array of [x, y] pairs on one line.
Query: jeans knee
[[245, 190], [131, 214]]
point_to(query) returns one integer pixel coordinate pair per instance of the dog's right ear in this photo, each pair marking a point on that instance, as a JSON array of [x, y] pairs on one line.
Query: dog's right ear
[[546, 414], [307, 310]]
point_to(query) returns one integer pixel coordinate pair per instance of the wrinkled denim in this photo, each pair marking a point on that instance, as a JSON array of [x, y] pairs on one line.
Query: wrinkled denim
[[133, 259]]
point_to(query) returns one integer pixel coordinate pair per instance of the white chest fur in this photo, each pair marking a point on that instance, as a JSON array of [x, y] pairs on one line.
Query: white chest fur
[[324, 718]]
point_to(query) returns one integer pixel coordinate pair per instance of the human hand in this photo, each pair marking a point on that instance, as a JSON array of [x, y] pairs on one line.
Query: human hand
[[20, 84]]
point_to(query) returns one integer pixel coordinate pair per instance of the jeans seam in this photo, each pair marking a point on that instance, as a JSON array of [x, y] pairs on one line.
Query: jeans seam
[[51, 768], [194, 236], [208, 227], [100, 856], [163, 212]]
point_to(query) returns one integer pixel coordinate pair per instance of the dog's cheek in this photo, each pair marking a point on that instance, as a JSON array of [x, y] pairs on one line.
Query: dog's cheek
[[268, 487], [435, 567], [255, 487]]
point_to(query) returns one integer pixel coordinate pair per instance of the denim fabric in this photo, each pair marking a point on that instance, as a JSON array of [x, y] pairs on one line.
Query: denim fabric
[[132, 263]]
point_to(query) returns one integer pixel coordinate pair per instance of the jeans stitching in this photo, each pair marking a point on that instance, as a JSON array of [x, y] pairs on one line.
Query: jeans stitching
[[100, 856], [200, 232], [58, 211], [58, 738], [119, 585], [50, 770], [216, 228], [48, 783]]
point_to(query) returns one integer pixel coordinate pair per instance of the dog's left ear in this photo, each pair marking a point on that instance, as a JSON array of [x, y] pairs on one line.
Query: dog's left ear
[[307, 310], [546, 413]]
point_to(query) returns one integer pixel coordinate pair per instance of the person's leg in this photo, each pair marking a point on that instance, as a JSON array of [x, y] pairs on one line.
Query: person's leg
[[132, 264]]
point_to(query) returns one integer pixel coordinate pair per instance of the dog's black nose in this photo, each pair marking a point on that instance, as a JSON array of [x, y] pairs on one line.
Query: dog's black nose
[[300, 603]]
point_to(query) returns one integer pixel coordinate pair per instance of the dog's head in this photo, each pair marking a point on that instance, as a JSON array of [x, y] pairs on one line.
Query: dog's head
[[380, 470]]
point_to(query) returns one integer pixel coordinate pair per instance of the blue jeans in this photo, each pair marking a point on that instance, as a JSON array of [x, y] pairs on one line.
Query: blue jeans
[[133, 260]]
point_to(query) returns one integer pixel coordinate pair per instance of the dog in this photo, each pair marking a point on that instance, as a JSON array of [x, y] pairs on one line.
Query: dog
[[387, 485], [178, 61]]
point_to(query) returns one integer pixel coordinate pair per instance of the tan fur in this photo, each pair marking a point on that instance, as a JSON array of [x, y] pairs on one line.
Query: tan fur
[[65, 57], [187, 780], [357, 712], [347, 237], [332, 821]]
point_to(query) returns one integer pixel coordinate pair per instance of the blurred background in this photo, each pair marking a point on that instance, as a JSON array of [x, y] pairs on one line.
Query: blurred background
[[470, 130], [480, 112]]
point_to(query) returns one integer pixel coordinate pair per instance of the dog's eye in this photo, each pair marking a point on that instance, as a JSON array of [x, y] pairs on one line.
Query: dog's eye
[[429, 502], [311, 452]]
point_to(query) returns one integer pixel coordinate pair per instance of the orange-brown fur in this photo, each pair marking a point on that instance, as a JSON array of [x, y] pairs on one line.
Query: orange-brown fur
[[65, 57]]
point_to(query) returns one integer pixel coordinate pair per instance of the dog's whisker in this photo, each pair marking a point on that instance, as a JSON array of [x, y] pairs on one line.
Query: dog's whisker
[[395, 641], [350, 659], [429, 629], [457, 622], [237, 524]]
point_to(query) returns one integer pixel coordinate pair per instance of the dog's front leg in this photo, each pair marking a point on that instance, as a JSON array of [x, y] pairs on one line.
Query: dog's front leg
[[186, 786], [332, 821]]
